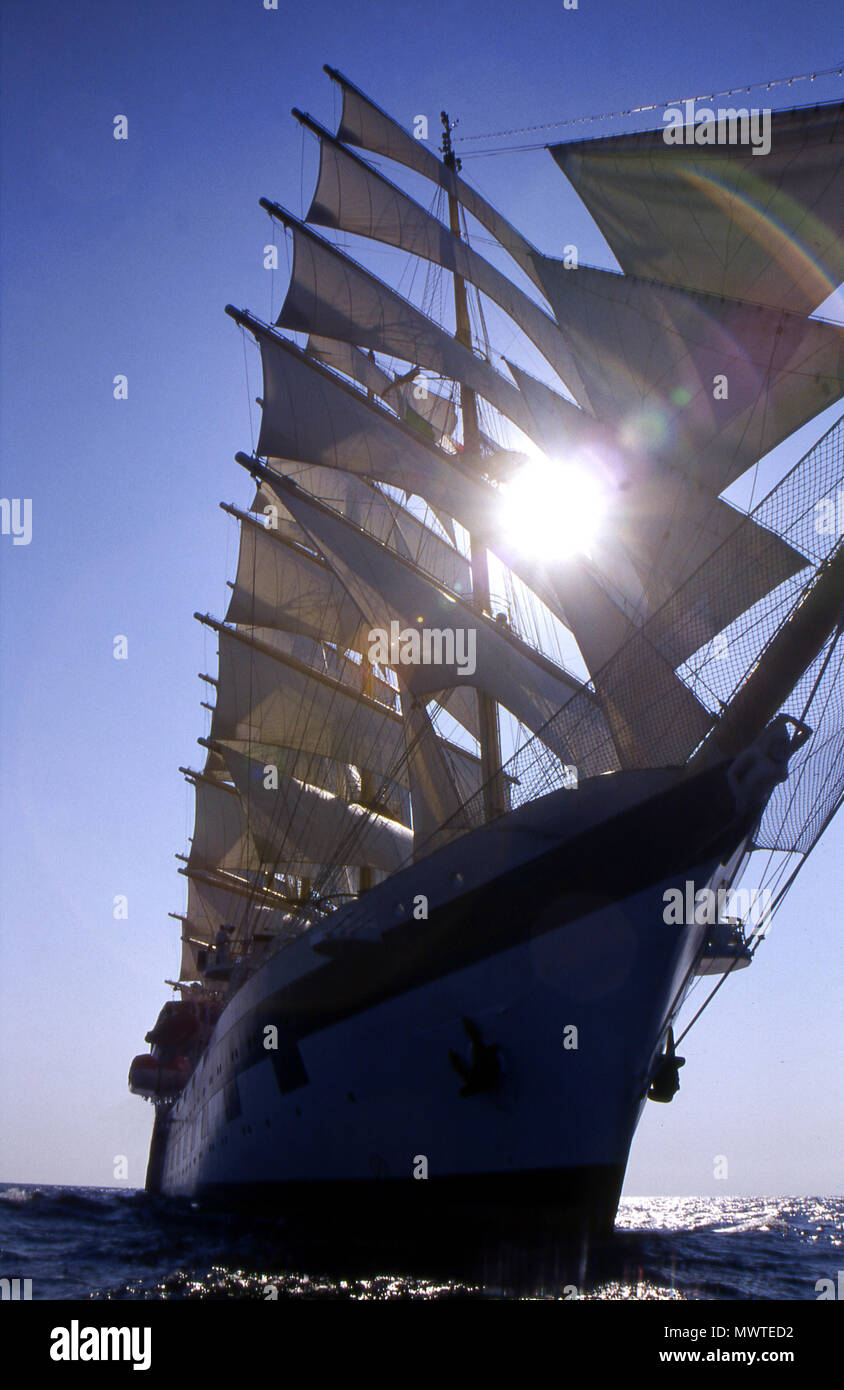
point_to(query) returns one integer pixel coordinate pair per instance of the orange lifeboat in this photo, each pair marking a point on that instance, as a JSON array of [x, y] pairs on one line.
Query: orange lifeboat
[[155, 1081]]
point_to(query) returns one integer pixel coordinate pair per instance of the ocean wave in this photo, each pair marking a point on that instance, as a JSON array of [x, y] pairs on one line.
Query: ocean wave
[[107, 1243]]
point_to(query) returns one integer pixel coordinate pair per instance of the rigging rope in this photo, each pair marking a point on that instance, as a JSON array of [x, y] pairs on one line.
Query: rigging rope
[[776, 904], [836, 71], [761, 929]]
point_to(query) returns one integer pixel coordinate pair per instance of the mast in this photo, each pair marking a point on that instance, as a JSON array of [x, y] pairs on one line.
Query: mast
[[495, 801]]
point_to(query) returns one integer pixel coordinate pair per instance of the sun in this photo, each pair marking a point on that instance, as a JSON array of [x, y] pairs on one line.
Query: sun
[[553, 510]]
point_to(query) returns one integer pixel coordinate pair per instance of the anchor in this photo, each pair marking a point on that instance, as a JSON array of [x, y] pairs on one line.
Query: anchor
[[483, 1070], [665, 1082]]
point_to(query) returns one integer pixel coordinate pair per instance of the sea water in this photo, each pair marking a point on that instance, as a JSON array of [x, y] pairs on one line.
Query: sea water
[[106, 1243]]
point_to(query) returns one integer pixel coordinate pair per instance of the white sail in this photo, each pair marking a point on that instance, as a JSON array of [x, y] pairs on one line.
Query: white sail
[[435, 791], [409, 399], [301, 709], [309, 415], [395, 598], [668, 724], [325, 659], [666, 555], [352, 197], [280, 585], [381, 516], [221, 836], [718, 217], [215, 767], [558, 425], [342, 301], [354, 497], [350, 360], [207, 910], [344, 780], [210, 906], [462, 648], [706, 383], [366, 125], [416, 400], [664, 525]]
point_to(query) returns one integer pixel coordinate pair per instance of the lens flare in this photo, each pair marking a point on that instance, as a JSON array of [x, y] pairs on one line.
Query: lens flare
[[553, 510]]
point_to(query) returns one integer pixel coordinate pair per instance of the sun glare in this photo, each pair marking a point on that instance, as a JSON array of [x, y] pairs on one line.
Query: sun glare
[[552, 509]]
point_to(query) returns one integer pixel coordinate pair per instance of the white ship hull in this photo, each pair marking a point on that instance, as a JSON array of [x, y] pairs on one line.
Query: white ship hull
[[530, 935]]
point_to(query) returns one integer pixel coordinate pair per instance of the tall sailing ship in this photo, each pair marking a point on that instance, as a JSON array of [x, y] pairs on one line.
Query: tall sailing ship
[[510, 699]]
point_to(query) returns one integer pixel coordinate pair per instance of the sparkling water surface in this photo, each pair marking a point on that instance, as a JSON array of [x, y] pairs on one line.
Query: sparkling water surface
[[105, 1243]]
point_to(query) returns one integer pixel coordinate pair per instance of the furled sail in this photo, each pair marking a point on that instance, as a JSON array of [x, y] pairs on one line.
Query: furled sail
[[296, 820], [719, 218]]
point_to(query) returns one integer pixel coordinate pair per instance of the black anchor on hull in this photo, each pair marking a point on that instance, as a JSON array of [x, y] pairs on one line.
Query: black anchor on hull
[[665, 1082], [483, 1069]]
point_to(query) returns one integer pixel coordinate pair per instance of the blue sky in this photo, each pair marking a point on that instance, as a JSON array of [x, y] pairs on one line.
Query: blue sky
[[118, 257]]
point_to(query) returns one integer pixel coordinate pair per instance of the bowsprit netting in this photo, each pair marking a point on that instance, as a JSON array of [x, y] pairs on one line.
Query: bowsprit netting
[[802, 509]]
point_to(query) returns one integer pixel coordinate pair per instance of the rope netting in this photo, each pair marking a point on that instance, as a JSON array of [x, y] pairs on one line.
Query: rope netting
[[640, 682]]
